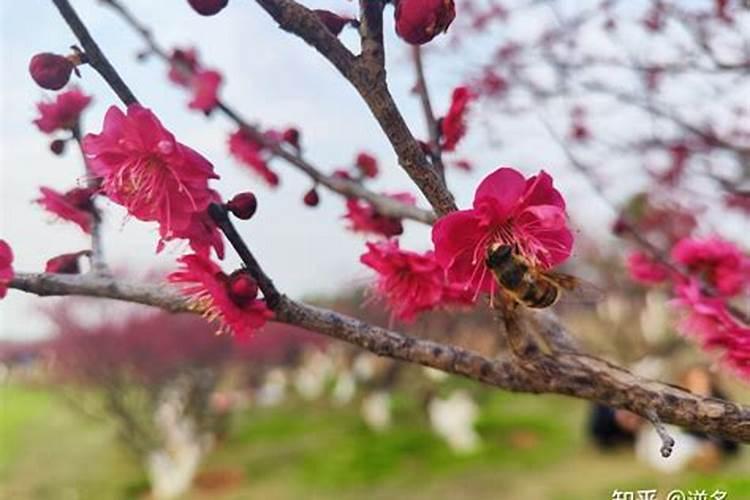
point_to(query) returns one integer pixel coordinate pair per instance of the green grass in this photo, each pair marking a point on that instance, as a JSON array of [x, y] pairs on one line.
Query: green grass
[[311, 450]]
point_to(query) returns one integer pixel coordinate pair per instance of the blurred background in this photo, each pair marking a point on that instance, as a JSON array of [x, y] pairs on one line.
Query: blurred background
[[636, 108]]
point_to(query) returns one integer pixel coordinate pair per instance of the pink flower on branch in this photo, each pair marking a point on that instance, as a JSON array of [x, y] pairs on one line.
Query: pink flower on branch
[[183, 64], [508, 209], [144, 169], [252, 154], [364, 218], [720, 262], [709, 320], [205, 85], [230, 300], [644, 269], [63, 113], [74, 206], [410, 282], [6, 267], [453, 125], [367, 165]]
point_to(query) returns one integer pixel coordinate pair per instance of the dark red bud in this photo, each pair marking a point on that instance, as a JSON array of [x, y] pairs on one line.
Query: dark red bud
[[620, 226], [273, 178], [66, 263], [243, 205], [241, 287], [57, 146], [291, 137], [367, 164], [50, 71], [311, 198], [208, 7], [334, 22]]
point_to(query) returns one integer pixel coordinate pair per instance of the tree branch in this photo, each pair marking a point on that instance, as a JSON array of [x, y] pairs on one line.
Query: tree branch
[[94, 56], [383, 204], [567, 373], [368, 78], [433, 127]]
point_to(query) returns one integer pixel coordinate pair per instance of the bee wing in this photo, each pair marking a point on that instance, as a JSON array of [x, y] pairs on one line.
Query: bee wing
[[575, 290]]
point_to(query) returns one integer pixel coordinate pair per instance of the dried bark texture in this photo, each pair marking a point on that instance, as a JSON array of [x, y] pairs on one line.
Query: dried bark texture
[[569, 373]]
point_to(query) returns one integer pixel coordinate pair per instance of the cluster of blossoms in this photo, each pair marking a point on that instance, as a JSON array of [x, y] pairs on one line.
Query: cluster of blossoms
[[364, 218], [508, 209], [186, 71], [711, 273]]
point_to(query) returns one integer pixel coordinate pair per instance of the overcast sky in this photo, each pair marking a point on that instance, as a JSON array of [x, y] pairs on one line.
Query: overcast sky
[[272, 78]]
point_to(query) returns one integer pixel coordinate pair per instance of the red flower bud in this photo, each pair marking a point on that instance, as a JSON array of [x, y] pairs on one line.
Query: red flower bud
[[50, 71], [367, 164], [57, 146], [311, 198], [620, 226], [291, 136], [241, 287], [334, 22], [208, 7], [66, 263], [243, 205], [419, 21]]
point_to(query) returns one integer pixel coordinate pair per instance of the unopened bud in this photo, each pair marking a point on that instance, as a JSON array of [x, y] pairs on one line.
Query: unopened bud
[[243, 205], [241, 287], [50, 71], [311, 198], [208, 7], [57, 146]]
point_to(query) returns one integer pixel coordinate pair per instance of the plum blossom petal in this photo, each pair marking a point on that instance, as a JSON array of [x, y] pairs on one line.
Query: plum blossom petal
[[211, 293], [508, 209]]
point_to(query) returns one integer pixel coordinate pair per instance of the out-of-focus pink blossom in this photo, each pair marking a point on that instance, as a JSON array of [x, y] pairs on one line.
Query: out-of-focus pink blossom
[[6, 267], [146, 170], [205, 85], [453, 125], [721, 263], [367, 165], [709, 320], [508, 209], [643, 269], [364, 218], [63, 113], [183, 65], [74, 206], [252, 154], [211, 293]]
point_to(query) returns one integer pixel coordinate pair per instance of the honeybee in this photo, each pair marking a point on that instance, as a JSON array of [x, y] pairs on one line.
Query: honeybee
[[523, 282]]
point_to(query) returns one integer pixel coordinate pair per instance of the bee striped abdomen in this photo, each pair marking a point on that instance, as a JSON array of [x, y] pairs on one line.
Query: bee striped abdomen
[[539, 296]]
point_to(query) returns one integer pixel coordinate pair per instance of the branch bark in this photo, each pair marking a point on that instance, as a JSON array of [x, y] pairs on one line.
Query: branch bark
[[94, 56], [565, 372], [367, 76], [348, 188]]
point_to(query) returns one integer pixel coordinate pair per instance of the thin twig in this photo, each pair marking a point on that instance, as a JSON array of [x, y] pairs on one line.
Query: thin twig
[[93, 55], [433, 127]]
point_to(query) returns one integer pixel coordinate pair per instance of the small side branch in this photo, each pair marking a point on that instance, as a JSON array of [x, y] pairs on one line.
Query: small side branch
[[94, 56]]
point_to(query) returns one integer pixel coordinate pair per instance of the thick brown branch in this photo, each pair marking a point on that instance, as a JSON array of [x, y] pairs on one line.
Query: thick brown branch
[[368, 77], [94, 56], [567, 373]]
